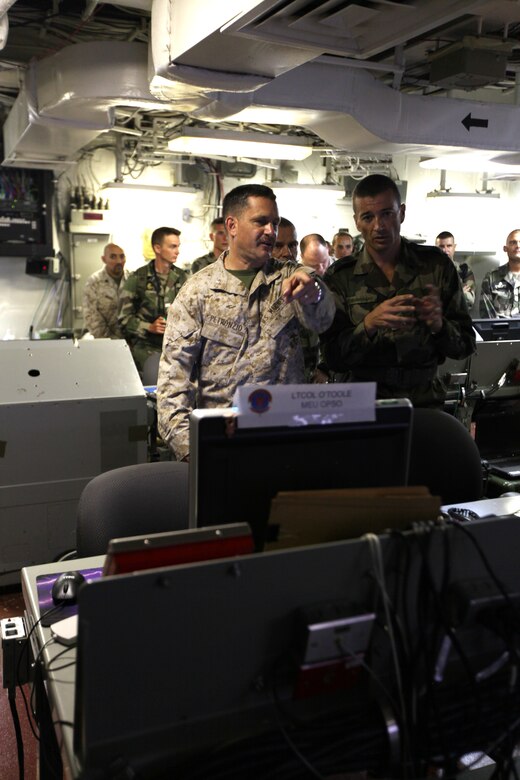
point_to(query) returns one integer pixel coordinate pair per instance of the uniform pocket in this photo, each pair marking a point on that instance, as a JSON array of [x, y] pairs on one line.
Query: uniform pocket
[[358, 306], [222, 346], [221, 334]]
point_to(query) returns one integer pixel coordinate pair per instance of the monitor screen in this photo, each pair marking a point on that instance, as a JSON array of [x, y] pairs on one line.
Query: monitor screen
[[498, 329], [233, 478], [195, 671], [493, 369]]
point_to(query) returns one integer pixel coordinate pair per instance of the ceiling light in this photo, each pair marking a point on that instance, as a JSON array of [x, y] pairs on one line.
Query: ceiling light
[[472, 162], [282, 189], [130, 187], [205, 142]]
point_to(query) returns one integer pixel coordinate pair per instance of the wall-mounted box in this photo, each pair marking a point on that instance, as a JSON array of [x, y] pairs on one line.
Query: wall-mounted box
[[26, 213], [68, 411]]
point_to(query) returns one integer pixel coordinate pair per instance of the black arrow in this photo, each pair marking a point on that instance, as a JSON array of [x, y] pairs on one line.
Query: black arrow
[[468, 122]]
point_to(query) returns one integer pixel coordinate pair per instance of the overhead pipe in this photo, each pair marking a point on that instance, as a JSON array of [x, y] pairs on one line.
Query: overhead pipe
[[141, 5]]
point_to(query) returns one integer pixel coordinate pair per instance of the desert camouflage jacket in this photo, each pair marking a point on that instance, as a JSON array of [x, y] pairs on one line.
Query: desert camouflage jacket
[[220, 335], [101, 303], [145, 297], [500, 295], [393, 358]]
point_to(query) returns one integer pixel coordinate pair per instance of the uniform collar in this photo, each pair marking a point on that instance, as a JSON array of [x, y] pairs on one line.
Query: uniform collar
[[405, 269]]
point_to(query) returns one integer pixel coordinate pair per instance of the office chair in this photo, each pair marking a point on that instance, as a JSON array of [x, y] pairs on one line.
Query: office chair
[[143, 499], [151, 369], [444, 457]]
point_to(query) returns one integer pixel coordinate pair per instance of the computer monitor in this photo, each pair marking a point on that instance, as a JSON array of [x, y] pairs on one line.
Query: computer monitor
[[233, 478], [209, 662], [500, 329], [494, 368]]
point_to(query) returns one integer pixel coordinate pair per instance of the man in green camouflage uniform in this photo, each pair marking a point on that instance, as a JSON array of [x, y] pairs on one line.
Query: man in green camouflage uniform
[[446, 243], [236, 322], [220, 243], [147, 295], [500, 293], [101, 295], [400, 307]]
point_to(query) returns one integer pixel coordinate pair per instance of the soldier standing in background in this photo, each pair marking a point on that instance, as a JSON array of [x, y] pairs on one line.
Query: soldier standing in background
[[342, 244], [147, 295], [285, 248], [446, 243], [500, 294], [220, 243], [101, 295]]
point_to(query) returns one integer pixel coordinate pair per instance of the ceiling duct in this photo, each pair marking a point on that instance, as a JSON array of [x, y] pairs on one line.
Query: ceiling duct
[[241, 45], [349, 109], [301, 63], [68, 99]]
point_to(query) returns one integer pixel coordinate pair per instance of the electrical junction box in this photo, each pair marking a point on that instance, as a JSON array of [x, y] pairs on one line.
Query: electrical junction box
[[89, 221], [26, 213], [470, 63], [68, 411]]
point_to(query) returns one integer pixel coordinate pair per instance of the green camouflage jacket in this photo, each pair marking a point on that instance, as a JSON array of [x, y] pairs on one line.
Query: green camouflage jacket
[[220, 335], [202, 262], [467, 280], [403, 363], [144, 298]]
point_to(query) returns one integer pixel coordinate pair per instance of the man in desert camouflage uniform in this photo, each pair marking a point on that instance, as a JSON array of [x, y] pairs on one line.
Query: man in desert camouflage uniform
[[500, 293], [147, 296], [400, 307], [285, 248], [236, 321], [101, 295]]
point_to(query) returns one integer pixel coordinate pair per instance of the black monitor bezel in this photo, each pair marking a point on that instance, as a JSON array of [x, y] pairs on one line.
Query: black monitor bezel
[[243, 472]]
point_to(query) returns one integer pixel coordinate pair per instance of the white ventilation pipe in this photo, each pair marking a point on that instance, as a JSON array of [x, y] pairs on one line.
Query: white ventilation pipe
[[350, 109], [5, 5], [69, 98], [141, 5]]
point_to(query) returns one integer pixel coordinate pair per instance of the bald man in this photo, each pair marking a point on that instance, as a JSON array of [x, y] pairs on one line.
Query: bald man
[[500, 295], [314, 253], [101, 295]]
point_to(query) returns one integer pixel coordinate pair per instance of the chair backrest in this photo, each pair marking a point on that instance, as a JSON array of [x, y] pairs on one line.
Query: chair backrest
[[141, 499], [444, 457], [151, 369]]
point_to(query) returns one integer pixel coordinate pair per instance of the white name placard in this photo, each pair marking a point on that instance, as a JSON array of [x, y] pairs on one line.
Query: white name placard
[[268, 405]]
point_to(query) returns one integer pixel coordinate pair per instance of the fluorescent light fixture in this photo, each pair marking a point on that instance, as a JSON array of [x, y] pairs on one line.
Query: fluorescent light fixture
[[302, 192], [471, 162], [205, 142], [282, 185], [122, 185]]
